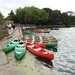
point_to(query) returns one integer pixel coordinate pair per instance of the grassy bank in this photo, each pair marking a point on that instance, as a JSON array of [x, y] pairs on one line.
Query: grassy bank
[[48, 26], [3, 31]]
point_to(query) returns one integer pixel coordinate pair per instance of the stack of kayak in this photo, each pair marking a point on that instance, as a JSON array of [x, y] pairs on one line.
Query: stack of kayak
[[49, 41], [19, 48]]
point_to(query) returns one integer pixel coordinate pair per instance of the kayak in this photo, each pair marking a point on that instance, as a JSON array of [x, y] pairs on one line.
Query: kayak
[[42, 31], [38, 51], [51, 44], [11, 45], [20, 50], [23, 28], [50, 40]]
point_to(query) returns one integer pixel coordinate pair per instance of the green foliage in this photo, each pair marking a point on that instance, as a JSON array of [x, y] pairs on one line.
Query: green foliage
[[45, 16], [28, 15], [3, 31], [1, 18]]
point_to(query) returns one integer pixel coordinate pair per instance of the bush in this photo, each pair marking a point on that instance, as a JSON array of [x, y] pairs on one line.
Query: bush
[[3, 31]]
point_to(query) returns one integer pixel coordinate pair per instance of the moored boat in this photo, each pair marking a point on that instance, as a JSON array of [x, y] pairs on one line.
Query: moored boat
[[49, 41], [42, 31], [23, 28], [51, 44], [20, 50], [11, 45]]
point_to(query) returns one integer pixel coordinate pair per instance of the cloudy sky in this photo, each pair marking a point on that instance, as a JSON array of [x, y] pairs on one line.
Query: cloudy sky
[[63, 5]]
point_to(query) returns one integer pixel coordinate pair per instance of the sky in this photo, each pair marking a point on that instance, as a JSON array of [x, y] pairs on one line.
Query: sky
[[63, 5]]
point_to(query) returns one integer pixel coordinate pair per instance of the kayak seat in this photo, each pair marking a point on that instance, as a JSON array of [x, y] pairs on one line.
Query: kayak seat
[[45, 52], [37, 49], [31, 46]]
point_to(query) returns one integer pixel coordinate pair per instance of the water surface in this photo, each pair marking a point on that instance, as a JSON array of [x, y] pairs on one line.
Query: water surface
[[64, 61]]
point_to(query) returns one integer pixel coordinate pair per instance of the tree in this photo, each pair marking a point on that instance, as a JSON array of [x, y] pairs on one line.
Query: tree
[[11, 16], [1, 18]]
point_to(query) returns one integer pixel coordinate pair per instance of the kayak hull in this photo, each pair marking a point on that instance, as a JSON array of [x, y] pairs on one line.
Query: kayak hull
[[11, 45], [20, 50], [35, 49]]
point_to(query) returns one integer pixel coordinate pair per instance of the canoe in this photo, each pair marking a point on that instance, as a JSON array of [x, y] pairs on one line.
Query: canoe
[[11, 45], [42, 31], [51, 44], [23, 28], [38, 51], [50, 40], [20, 50]]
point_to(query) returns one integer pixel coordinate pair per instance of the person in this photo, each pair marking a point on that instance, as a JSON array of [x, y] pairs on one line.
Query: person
[[13, 26], [9, 26]]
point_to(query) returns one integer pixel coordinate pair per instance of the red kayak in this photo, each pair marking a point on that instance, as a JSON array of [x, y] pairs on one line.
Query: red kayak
[[35, 49], [50, 40], [23, 28], [42, 31]]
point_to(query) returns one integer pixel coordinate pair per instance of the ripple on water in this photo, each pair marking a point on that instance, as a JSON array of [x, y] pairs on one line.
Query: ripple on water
[[64, 61]]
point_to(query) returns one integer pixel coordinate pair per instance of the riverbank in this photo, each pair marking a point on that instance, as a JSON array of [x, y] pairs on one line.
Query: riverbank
[[29, 65]]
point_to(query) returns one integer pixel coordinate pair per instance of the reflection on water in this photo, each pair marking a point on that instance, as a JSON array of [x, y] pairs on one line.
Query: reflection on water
[[44, 62], [64, 61], [54, 49]]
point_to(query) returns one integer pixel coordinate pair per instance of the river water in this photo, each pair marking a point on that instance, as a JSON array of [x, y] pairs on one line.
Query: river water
[[64, 62]]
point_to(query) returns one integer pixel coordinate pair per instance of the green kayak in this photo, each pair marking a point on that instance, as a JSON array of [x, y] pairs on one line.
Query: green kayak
[[11, 45], [20, 50], [51, 38], [51, 44]]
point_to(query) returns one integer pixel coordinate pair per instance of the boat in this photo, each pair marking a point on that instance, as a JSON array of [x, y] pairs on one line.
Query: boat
[[50, 40], [38, 51], [51, 44], [42, 31], [20, 50], [11, 45], [23, 28]]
